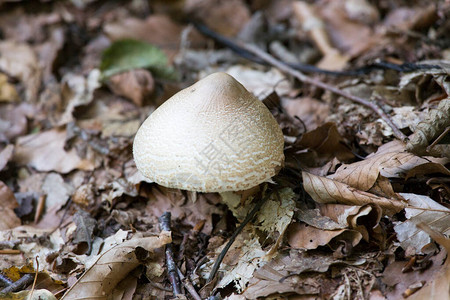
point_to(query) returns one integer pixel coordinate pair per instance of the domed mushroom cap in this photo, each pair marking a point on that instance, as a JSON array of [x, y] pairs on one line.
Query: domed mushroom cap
[[213, 136]]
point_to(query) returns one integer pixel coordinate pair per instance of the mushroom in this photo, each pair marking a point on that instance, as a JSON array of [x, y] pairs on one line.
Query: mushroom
[[213, 136]]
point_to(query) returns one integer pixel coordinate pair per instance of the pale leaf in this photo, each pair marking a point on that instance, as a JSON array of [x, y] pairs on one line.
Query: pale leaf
[[325, 190], [421, 209], [45, 152], [111, 267]]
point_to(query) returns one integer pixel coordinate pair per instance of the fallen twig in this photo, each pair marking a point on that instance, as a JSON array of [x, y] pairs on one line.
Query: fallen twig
[[188, 285], [164, 225], [224, 251], [18, 285], [5, 281], [302, 77]]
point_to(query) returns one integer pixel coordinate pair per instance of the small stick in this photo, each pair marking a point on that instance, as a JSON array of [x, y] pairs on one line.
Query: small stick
[[5, 281], [302, 77], [164, 225], [188, 285], [18, 285], [224, 251]]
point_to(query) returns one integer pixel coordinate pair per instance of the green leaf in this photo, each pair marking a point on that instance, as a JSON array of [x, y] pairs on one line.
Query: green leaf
[[125, 55]]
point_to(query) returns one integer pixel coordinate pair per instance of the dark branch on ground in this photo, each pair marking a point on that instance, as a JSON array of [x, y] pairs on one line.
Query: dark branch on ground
[[164, 225]]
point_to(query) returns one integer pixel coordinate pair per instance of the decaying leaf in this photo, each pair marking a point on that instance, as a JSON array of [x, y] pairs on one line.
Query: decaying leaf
[[326, 190], [56, 190], [78, 90], [45, 152], [136, 85], [244, 256], [85, 226], [8, 203], [111, 267], [281, 274], [421, 209], [436, 123], [363, 174], [440, 285], [6, 155], [19, 60], [33, 249], [8, 92], [302, 236], [40, 294]]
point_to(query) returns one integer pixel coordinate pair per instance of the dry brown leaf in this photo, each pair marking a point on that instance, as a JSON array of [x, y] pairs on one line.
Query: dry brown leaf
[[312, 112], [437, 121], [45, 152], [359, 218], [13, 120], [439, 286], [8, 92], [326, 190], [363, 174], [77, 90], [20, 61], [302, 236], [279, 275], [421, 209], [6, 155], [137, 85], [163, 199], [224, 17], [347, 25], [111, 267], [327, 142], [409, 18], [31, 248], [8, 202], [311, 22]]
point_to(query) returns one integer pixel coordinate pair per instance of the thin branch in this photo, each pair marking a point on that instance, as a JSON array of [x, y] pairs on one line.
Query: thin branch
[[18, 285], [302, 77], [164, 225], [224, 251], [188, 285]]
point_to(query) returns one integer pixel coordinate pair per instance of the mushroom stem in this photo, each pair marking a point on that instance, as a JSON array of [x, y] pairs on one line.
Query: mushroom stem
[[224, 251]]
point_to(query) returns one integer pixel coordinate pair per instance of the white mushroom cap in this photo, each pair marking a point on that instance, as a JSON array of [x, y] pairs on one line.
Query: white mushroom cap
[[213, 136]]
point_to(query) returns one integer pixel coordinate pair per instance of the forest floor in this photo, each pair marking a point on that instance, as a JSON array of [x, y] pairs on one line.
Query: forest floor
[[360, 210]]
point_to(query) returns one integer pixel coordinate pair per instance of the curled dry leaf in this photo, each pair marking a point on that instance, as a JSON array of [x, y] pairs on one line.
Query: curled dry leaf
[[363, 174], [111, 267], [326, 190], [44, 151]]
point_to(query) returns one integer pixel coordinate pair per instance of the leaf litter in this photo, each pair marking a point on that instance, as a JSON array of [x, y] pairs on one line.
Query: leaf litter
[[357, 212]]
